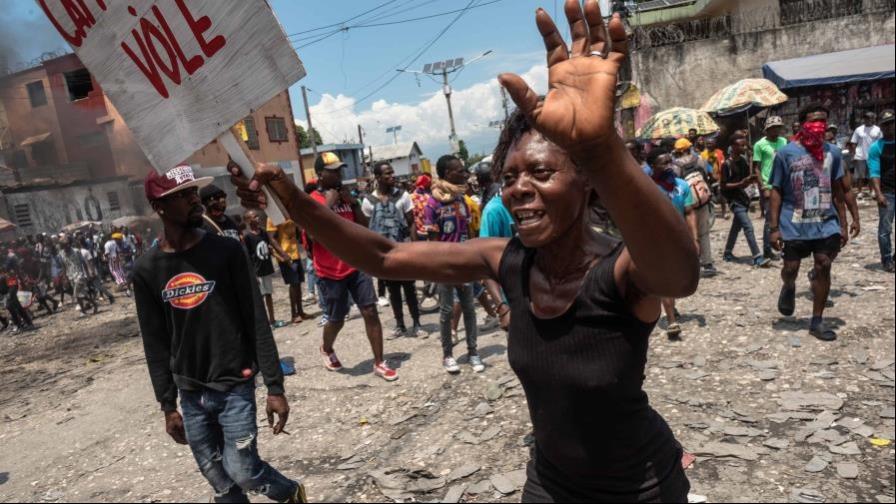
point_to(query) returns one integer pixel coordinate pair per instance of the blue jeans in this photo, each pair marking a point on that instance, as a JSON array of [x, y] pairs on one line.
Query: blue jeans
[[885, 228], [222, 433], [742, 222], [446, 305]]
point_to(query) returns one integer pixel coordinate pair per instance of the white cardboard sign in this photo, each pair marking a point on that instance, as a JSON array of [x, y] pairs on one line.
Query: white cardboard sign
[[181, 72]]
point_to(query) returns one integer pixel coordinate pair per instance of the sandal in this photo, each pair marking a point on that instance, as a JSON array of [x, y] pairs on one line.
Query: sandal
[[673, 332], [787, 301], [823, 333]]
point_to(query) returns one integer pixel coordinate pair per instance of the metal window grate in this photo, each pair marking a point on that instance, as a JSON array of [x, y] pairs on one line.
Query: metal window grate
[[114, 203], [22, 213]]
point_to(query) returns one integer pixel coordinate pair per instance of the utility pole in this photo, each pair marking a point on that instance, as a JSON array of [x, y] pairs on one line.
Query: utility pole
[[504, 103], [394, 130], [361, 141], [310, 126], [443, 69]]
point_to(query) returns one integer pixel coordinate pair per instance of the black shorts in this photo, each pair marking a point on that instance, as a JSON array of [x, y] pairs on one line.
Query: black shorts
[[293, 273], [336, 292], [798, 250]]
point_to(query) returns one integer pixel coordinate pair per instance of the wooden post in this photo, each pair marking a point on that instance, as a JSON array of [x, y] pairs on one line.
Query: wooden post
[[239, 152]]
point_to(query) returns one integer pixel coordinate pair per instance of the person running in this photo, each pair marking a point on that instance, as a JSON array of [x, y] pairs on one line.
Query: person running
[[736, 176], [94, 282], [448, 221], [20, 316], [75, 268], [216, 219], [583, 305], [807, 194], [286, 236], [764, 152], [881, 169], [859, 145], [260, 248], [691, 167], [206, 336], [390, 213], [337, 279]]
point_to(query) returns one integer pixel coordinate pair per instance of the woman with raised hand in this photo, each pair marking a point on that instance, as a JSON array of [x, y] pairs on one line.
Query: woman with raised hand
[[583, 305]]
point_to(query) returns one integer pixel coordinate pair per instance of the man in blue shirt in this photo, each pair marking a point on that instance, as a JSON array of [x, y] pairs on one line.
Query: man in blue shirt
[[806, 199], [883, 177]]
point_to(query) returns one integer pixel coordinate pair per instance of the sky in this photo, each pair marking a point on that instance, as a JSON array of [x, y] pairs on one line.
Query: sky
[[349, 72]]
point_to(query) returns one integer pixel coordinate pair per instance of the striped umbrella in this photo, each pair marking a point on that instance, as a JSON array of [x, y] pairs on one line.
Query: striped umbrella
[[676, 122], [745, 94]]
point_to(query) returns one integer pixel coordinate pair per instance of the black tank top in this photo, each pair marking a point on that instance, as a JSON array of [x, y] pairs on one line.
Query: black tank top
[[596, 436]]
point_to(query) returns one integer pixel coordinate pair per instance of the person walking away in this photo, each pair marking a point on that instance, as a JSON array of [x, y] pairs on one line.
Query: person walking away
[[420, 199], [859, 145], [286, 237], [75, 268], [337, 279], [260, 248], [693, 170], [764, 152], [736, 176], [206, 337], [216, 220], [881, 169], [807, 194], [679, 192], [391, 214], [714, 157], [583, 304], [448, 221]]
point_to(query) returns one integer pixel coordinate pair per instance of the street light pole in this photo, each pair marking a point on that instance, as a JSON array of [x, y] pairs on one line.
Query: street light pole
[[310, 126], [447, 90]]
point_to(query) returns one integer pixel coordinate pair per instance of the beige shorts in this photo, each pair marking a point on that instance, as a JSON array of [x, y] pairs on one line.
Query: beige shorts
[[266, 285]]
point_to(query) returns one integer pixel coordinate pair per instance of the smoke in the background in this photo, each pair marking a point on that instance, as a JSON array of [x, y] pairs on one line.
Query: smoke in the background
[[25, 35]]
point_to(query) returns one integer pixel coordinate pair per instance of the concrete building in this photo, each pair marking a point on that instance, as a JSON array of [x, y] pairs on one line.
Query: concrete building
[[350, 154], [683, 51], [60, 134], [404, 157]]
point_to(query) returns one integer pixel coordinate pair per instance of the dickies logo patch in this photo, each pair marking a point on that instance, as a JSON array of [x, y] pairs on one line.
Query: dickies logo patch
[[187, 291]]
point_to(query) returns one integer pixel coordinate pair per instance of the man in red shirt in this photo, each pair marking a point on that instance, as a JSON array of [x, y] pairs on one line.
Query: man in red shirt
[[337, 279]]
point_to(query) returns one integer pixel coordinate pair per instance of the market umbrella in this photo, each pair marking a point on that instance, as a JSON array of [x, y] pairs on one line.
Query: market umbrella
[[5, 225], [676, 122], [77, 226], [134, 221], [743, 96]]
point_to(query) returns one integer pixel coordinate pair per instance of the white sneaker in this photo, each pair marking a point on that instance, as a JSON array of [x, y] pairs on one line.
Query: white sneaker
[[489, 323], [476, 364], [450, 365], [383, 302]]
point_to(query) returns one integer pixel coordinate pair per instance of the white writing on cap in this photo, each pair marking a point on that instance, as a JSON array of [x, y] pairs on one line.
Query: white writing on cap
[[181, 174]]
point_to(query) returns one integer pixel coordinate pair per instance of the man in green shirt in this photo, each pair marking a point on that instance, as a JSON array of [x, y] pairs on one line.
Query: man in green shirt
[[763, 158]]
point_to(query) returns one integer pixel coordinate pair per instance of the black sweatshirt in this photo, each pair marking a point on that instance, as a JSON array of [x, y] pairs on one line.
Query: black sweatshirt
[[203, 321]]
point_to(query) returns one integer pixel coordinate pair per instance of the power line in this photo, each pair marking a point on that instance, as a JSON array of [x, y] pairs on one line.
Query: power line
[[389, 23], [343, 22]]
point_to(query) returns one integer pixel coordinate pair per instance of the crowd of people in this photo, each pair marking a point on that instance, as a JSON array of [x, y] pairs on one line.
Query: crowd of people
[[38, 271]]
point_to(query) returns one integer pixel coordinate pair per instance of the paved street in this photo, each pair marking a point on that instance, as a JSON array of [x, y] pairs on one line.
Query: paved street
[[771, 414]]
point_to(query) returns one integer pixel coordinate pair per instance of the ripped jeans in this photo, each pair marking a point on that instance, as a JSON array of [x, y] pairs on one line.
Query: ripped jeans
[[222, 434]]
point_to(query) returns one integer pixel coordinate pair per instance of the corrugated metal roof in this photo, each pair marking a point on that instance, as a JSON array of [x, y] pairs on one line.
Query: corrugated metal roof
[[394, 151]]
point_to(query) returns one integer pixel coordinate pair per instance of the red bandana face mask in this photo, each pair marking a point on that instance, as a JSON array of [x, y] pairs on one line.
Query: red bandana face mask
[[812, 138]]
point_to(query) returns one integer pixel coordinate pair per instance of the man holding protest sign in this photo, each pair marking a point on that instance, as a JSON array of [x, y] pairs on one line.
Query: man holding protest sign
[[206, 336]]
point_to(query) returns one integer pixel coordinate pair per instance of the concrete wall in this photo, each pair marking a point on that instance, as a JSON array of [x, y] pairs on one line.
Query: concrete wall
[[688, 74], [51, 208]]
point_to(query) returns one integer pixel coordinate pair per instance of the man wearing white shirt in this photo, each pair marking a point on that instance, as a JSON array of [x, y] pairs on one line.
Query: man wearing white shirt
[[862, 140]]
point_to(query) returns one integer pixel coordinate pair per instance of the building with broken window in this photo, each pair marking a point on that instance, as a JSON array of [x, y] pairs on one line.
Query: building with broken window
[[67, 156]]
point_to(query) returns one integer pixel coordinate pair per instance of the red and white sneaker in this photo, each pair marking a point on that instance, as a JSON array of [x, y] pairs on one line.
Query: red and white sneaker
[[385, 372], [331, 362]]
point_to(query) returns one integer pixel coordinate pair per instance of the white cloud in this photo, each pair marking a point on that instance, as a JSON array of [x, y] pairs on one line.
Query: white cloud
[[426, 122]]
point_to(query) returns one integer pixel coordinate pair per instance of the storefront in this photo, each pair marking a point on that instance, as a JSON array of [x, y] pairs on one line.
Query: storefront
[[850, 83]]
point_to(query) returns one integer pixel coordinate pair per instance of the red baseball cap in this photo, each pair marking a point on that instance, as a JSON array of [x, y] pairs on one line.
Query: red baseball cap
[[176, 179]]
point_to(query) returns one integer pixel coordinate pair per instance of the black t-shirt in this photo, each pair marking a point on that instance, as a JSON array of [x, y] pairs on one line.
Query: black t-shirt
[[259, 248], [202, 320], [227, 226], [736, 170]]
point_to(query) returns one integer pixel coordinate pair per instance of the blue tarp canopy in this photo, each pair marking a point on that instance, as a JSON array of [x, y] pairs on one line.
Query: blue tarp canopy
[[870, 63]]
